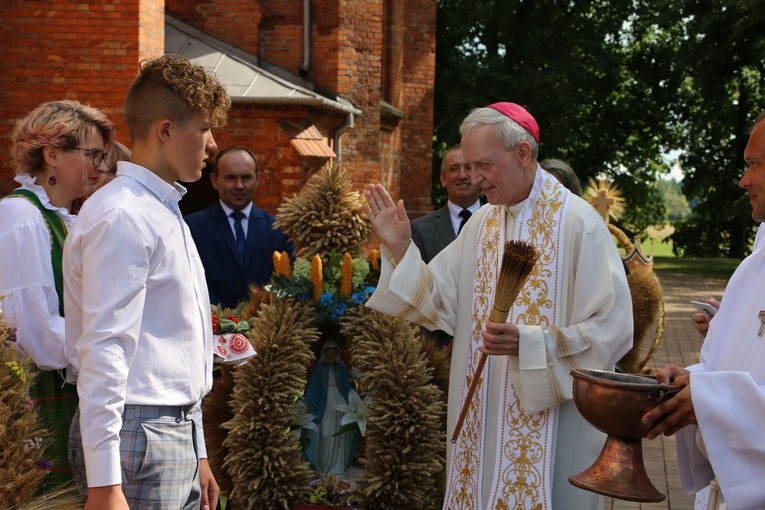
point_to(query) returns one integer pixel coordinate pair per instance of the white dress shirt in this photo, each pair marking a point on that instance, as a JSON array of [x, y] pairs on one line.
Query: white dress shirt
[[455, 210], [138, 328], [245, 220], [31, 304]]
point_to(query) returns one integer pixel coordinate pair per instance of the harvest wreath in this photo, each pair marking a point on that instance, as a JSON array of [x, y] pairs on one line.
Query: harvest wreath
[[255, 453], [22, 437]]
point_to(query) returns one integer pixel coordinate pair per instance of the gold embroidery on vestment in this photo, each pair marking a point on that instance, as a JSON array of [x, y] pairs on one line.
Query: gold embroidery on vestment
[[523, 460]]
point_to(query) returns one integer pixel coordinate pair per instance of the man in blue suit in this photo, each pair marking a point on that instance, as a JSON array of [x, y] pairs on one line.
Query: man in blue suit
[[235, 239], [432, 232]]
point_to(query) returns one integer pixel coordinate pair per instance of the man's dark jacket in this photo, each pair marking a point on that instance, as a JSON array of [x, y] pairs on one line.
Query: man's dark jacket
[[433, 232], [228, 278]]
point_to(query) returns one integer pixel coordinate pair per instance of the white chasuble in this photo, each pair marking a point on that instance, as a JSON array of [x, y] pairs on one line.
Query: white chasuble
[[575, 311], [496, 425]]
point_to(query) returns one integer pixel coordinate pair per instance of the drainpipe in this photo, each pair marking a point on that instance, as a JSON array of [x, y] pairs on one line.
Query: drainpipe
[[305, 67], [337, 133]]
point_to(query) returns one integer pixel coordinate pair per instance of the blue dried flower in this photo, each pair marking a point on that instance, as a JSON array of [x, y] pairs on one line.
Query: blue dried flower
[[339, 310], [326, 300]]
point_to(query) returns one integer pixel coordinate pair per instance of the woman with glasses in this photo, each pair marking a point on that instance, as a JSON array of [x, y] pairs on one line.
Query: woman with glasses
[[118, 152], [59, 150]]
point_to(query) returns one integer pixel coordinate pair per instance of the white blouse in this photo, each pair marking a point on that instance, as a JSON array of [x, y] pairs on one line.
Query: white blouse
[[30, 302]]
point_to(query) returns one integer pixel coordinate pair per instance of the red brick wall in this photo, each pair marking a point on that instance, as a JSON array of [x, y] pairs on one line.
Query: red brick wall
[[417, 76], [326, 41], [347, 53], [90, 51], [282, 34], [282, 170], [87, 50], [234, 21], [269, 29], [348, 44], [390, 160]]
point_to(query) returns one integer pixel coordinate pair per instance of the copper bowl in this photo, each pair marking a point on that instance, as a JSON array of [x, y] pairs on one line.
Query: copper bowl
[[614, 403]]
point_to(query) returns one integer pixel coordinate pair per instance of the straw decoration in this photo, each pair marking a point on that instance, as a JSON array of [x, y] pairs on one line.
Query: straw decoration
[[518, 261]]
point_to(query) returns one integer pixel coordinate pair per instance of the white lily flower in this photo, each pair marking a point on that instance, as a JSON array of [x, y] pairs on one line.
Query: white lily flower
[[303, 419], [355, 411]]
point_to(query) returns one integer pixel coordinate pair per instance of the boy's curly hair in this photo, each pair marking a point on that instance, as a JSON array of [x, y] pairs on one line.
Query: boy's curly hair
[[172, 87]]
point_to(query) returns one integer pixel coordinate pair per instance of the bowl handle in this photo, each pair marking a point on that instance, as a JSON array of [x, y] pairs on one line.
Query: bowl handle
[[660, 394]]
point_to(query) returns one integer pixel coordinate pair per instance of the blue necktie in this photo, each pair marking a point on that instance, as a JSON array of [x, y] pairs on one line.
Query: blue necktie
[[239, 231], [465, 214]]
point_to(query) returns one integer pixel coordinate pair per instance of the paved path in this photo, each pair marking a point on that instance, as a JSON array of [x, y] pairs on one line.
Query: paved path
[[680, 345]]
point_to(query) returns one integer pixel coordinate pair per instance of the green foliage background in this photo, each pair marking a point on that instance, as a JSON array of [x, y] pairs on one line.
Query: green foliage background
[[617, 85]]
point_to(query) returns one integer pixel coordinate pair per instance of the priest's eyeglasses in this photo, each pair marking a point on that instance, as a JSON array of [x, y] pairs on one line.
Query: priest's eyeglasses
[[97, 154]]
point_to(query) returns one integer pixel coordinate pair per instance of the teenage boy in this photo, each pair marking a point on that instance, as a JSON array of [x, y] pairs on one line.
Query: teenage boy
[[138, 328]]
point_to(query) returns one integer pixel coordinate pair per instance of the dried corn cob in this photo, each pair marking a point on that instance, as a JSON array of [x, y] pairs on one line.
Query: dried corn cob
[[285, 267], [277, 262], [346, 280], [374, 259], [316, 277]]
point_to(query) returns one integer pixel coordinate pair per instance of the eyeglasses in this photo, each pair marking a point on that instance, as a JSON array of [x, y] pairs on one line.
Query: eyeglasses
[[97, 154]]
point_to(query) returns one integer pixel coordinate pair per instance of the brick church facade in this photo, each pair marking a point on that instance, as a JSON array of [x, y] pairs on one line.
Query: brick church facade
[[312, 81]]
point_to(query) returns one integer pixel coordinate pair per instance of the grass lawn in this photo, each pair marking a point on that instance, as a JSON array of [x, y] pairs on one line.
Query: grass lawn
[[665, 260], [711, 268]]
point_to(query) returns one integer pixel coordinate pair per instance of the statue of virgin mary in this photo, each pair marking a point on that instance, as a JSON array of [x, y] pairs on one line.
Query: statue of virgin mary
[[328, 386]]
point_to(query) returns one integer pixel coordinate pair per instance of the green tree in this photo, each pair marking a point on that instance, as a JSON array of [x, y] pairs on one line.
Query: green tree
[[721, 57], [675, 202], [615, 85], [583, 71]]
